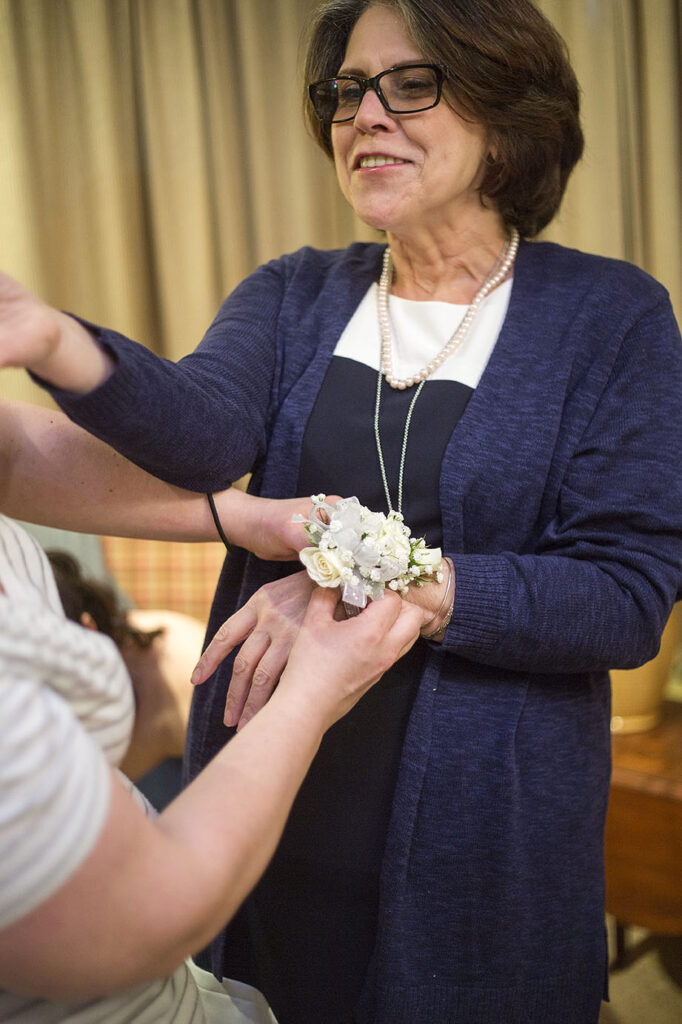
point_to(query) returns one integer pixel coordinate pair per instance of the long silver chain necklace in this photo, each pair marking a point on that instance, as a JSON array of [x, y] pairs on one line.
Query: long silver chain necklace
[[495, 277]]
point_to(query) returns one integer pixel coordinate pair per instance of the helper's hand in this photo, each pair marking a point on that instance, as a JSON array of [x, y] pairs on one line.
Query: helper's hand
[[266, 627], [264, 525], [48, 342], [333, 663], [280, 539]]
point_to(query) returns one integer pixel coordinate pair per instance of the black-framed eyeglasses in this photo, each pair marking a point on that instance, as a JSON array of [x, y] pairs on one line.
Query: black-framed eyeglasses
[[403, 90]]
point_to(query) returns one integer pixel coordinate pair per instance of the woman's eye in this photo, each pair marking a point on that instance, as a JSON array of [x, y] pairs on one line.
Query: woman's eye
[[415, 86], [348, 92]]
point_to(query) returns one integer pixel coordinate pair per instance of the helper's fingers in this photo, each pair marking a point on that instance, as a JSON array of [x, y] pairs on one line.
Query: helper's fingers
[[322, 605], [232, 632], [405, 629]]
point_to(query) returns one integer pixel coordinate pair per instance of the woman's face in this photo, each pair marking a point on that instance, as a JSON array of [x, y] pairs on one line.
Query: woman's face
[[435, 158]]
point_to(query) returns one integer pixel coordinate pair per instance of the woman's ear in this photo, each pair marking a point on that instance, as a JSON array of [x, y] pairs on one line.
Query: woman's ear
[[493, 148], [87, 620]]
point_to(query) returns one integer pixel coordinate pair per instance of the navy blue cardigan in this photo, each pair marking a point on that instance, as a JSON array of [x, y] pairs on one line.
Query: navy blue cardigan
[[561, 497]]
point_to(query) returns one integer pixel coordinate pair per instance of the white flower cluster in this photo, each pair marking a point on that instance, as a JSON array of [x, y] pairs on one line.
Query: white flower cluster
[[364, 551]]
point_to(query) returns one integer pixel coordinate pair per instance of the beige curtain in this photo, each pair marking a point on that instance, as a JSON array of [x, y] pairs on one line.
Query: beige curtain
[[625, 198], [153, 152]]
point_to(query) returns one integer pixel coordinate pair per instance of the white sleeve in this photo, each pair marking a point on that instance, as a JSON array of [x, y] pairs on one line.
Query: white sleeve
[[54, 792], [24, 568], [81, 666]]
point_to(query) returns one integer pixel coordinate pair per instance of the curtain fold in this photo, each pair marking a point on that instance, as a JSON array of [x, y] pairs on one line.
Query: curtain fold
[[625, 198], [154, 152]]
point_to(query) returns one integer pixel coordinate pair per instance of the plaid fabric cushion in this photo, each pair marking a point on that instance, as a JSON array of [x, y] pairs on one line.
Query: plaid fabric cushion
[[162, 574]]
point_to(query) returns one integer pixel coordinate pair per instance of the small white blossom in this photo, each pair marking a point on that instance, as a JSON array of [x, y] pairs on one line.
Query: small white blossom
[[422, 555]]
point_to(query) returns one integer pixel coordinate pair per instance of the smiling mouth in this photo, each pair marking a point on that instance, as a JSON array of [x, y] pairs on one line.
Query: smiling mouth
[[380, 161]]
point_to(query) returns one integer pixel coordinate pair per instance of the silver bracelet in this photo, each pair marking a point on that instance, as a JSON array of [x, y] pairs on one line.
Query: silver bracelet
[[443, 626], [442, 623]]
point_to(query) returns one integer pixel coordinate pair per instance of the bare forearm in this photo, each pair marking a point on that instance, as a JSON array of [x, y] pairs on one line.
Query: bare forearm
[[226, 825], [57, 474], [158, 891], [152, 892]]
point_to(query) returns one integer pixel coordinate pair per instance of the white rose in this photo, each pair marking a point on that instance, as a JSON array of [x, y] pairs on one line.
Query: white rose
[[427, 556], [324, 567]]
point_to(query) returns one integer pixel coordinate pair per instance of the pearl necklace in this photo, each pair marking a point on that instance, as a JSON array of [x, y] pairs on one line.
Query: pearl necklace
[[495, 277], [507, 259]]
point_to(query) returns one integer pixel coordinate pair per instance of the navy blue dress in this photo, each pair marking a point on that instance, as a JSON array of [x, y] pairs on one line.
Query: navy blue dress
[[306, 935]]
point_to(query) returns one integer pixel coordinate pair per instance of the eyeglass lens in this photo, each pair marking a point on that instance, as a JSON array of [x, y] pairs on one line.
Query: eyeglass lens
[[401, 90]]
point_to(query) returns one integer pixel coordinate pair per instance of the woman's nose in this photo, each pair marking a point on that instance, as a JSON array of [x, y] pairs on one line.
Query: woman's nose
[[372, 114]]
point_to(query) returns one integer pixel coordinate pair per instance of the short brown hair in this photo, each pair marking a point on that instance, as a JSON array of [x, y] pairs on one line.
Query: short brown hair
[[507, 67]]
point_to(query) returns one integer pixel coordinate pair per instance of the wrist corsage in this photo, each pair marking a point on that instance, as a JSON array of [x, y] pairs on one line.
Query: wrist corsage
[[364, 551]]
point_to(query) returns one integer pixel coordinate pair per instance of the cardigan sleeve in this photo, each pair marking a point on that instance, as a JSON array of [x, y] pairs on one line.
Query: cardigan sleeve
[[199, 423], [596, 591]]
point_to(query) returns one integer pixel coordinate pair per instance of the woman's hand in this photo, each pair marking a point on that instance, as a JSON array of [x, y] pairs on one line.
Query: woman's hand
[[51, 344], [29, 330], [266, 627]]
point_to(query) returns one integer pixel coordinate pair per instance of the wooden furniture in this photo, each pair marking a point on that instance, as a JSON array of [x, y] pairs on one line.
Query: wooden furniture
[[644, 827]]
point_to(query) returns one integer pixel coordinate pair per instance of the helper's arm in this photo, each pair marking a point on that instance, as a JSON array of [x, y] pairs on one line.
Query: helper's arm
[[54, 473], [153, 892]]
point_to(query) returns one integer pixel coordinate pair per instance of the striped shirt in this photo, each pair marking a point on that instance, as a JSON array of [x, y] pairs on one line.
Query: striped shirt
[[66, 714]]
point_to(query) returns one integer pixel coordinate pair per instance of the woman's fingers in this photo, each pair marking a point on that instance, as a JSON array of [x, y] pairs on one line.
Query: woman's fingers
[[248, 672], [266, 627], [232, 632], [355, 653], [264, 679]]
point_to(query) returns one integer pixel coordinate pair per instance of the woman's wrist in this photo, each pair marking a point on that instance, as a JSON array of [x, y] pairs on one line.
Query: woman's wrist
[[74, 361], [434, 627]]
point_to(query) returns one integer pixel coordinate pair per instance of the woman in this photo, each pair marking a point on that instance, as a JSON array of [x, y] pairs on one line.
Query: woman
[[443, 861]]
